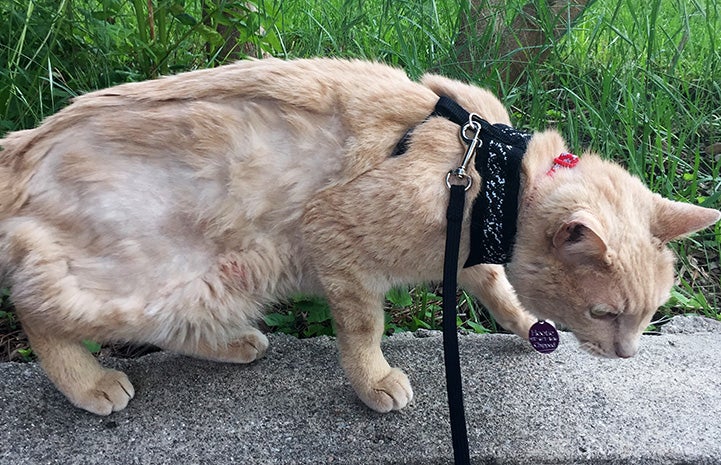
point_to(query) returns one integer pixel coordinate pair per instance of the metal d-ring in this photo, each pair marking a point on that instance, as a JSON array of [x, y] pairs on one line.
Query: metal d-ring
[[460, 176]]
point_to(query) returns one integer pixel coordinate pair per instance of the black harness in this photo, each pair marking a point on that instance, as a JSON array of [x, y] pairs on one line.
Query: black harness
[[498, 154]]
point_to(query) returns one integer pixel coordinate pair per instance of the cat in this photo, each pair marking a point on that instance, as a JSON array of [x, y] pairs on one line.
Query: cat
[[173, 211]]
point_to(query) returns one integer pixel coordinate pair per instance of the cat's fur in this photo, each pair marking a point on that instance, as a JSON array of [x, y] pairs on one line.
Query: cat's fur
[[172, 211]]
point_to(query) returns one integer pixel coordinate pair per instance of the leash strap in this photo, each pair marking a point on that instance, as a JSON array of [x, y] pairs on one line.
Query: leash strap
[[454, 386]]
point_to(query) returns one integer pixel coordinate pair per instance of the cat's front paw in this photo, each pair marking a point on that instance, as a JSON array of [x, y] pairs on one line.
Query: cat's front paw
[[109, 393], [392, 392], [522, 325]]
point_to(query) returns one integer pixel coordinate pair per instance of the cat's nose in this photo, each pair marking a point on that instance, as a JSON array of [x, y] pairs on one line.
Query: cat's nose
[[625, 350]]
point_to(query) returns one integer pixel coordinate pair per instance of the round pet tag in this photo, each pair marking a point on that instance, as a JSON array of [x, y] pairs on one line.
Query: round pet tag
[[543, 337]]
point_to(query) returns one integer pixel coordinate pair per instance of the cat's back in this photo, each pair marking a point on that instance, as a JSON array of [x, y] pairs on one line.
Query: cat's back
[[244, 132]]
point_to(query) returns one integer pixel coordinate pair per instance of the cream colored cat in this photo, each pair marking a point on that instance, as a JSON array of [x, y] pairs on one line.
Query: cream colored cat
[[173, 211]]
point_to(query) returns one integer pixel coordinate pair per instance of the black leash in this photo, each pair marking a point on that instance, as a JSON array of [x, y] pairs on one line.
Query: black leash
[[458, 182], [454, 386]]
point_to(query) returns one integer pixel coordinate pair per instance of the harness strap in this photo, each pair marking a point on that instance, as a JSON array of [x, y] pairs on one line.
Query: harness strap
[[445, 107], [449, 109]]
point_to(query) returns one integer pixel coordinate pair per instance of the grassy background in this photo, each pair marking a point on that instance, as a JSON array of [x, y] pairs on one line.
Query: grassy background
[[639, 82]]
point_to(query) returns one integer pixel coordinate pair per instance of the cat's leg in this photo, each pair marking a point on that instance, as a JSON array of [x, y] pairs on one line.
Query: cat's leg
[[248, 347], [355, 297], [77, 374], [56, 313], [354, 247], [490, 285], [359, 323]]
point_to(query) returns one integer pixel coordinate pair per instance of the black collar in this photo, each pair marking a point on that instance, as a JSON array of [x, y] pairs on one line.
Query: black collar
[[498, 161]]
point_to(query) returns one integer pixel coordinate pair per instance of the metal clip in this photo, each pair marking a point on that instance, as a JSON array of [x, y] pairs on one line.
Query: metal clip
[[474, 127]]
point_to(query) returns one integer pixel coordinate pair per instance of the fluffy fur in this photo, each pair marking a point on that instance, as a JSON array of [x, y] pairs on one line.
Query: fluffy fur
[[172, 211]]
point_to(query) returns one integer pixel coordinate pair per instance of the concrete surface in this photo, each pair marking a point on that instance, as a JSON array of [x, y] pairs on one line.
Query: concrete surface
[[295, 407]]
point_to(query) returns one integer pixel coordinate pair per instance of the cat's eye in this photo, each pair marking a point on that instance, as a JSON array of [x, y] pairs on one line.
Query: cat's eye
[[603, 312]]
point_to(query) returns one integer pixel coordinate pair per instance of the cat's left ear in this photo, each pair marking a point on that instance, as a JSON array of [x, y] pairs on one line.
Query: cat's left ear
[[675, 219], [580, 240]]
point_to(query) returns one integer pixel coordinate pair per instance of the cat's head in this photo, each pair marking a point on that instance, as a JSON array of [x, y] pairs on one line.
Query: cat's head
[[591, 250]]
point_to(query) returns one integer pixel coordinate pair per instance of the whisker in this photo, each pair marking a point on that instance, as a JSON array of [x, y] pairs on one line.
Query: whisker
[[594, 349]]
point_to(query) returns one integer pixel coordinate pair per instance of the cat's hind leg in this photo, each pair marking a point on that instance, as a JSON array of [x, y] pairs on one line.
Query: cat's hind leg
[[57, 313], [490, 285], [77, 374]]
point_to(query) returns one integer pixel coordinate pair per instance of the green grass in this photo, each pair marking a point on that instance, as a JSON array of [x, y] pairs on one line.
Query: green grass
[[639, 82]]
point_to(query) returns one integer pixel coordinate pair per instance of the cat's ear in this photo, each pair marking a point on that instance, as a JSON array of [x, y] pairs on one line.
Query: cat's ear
[[580, 240], [675, 219]]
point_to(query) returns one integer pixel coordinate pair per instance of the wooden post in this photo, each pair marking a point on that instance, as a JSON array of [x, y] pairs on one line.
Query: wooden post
[[505, 40]]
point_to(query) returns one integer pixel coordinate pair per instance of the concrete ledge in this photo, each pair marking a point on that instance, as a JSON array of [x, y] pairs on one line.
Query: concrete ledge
[[295, 407]]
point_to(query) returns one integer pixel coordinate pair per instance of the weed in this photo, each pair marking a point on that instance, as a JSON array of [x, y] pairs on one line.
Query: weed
[[303, 316]]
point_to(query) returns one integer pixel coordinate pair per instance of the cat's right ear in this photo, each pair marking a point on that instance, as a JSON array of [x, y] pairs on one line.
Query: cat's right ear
[[677, 219], [580, 241]]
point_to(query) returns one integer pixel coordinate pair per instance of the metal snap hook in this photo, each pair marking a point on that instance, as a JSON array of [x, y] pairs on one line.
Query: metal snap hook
[[473, 126]]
